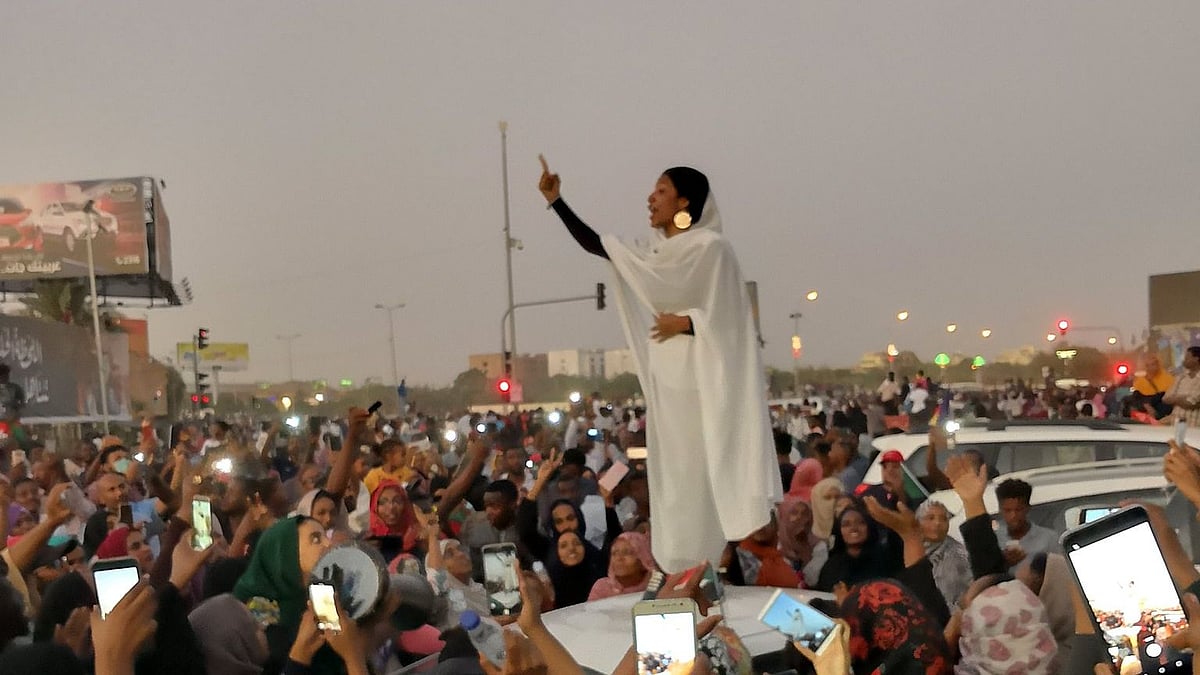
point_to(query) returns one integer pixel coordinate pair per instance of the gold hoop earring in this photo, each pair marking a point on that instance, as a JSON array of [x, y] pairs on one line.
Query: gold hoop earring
[[683, 219]]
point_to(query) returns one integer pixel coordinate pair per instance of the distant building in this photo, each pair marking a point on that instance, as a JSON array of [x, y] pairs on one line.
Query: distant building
[[492, 365], [576, 362], [618, 362]]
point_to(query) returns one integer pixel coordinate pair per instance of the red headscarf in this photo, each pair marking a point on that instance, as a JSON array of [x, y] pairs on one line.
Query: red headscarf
[[115, 545], [808, 473], [407, 527]]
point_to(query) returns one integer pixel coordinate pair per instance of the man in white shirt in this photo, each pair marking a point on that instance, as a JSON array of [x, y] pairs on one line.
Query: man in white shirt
[[889, 394]]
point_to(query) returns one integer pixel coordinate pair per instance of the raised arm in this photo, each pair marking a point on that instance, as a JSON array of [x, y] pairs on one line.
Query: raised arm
[[550, 185], [339, 476], [477, 453]]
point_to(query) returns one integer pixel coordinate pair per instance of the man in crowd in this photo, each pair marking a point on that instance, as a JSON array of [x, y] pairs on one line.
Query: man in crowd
[[1019, 538], [1184, 394], [844, 460], [1154, 385], [891, 492], [889, 395]]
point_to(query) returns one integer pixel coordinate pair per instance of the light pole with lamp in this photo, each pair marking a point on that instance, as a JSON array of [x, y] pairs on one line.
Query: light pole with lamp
[[796, 348], [391, 310], [89, 209], [289, 338], [509, 243]]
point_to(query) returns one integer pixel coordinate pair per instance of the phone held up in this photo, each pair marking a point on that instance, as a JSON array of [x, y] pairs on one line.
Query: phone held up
[[502, 579], [1129, 591], [325, 607], [664, 635], [113, 578], [201, 523], [798, 620]]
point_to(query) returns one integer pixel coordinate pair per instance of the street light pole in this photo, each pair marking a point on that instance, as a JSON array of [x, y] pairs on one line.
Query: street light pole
[[89, 210], [288, 339], [795, 316], [508, 247], [391, 310]]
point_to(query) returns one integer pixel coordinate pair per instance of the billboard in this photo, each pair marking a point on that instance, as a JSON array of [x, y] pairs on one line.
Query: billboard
[[55, 363], [45, 227], [228, 356], [1175, 299]]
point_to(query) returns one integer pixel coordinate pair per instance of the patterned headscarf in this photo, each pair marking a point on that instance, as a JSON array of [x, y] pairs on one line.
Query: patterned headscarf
[[610, 585], [892, 632], [1005, 630]]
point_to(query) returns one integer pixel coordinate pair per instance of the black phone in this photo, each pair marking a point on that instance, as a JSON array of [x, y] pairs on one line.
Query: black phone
[[374, 407], [126, 515], [1128, 590]]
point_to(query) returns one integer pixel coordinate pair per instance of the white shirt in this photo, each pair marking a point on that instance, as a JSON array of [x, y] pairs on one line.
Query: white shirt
[[916, 399], [888, 391]]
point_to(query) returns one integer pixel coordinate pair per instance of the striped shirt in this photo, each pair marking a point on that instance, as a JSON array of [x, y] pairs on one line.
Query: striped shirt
[[1187, 386]]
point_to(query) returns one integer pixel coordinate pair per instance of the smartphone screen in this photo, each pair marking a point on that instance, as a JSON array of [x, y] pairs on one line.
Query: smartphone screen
[[1091, 515], [324, 607], [797, 620], [113, 582], [666, 643], [613, 476], [201, 524], [501, 578], [1129, 591]]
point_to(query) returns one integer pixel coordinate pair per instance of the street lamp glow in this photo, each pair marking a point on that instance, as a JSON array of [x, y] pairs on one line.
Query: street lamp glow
[[319, 397], [986, 332], [554, 417], [1051, 337], [902, 316], [812, 296], [951, 327], [892, 351], [1112, 340], [287, 402]]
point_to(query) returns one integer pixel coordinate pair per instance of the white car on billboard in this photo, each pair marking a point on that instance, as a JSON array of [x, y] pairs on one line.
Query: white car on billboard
[[68, 221]]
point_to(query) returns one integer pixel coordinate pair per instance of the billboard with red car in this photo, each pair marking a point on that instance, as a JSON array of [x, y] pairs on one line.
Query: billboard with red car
[[45, 229]]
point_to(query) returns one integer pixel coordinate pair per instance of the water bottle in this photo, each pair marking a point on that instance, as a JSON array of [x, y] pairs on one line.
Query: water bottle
[[486, 635], [540, 570]]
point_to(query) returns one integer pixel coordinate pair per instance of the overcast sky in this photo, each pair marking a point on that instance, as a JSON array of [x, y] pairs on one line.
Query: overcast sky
[[991, 164]]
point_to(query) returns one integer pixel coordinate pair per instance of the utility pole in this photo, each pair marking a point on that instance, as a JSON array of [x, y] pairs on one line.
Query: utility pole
[[288, 339], [391, 310], [508, 247]]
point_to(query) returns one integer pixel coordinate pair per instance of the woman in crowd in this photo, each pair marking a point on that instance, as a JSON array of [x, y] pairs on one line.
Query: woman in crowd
[[951, 566], [232, 641], [1002, 628], [449, 571], [630, 565], [796, 538], [321, 506], [824, 502], [574, 567], [808, 473], [892, 632], [394, 523], [858, 553], [126, 541], [761, 562]]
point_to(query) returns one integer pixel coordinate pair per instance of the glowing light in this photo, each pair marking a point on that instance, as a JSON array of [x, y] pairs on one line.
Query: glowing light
[[902, 316], [951, 327], [812, 296], [293, 422], [223, 465], [554, 417], [575, 397], [1051, 337], [986, 332], [952, 426], [287, 402], [451, 436]]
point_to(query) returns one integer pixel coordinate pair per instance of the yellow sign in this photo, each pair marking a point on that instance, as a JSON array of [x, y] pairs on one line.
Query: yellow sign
[[228, 356]]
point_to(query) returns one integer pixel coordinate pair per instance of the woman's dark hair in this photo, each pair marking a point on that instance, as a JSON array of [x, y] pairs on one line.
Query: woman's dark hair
[[692, 186], [13, 623], [322, 494], [873, 535]]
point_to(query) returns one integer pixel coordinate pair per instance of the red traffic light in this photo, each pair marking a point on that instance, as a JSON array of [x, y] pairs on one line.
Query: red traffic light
[[1063, 325], [195, 398], [504, 385], [1122, 369], [206, 399]]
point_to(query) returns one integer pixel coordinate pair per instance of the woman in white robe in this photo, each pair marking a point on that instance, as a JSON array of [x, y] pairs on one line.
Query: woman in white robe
[[687, 317]]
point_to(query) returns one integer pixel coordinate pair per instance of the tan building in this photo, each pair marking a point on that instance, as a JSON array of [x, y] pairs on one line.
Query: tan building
[[492, 365]]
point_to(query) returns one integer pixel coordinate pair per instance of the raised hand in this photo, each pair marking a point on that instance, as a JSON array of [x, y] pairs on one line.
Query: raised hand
[[118, 639], [901, 521], [969, 484], [550, 184], [667, 326], [74, 633]]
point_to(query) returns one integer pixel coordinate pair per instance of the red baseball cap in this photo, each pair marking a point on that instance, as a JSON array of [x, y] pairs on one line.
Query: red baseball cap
[[891, 456]]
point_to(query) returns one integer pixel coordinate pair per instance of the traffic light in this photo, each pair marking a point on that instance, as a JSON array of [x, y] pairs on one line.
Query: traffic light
[[202, 338], [195, 398], [201, 385], [1123, 370], [1063, 326], [205, 399], [600, 295], [504, 386]]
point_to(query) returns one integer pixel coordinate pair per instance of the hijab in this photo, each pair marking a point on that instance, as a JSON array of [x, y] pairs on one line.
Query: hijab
[[872, 563], [572, 585], [1005, 629], [892, 632], [406, 529], [822, 506], [611, 585], [115, 545], [808, 475], [228, 637], [274, 572], [63, 596], [797, 546], [552, 533]]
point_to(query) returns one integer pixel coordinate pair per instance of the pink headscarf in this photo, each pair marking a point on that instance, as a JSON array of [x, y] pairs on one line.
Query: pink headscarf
[[795, 546], [1005, 630], [610, 585], [808, 474]]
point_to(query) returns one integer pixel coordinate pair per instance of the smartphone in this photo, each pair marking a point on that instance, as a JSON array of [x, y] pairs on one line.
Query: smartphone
[[1181, 428], [1128, 590], [798, 620], [126, 515], [324, 607], [636, 453], [613, 477], [664, 635], [714, 592], [501, 578], [201, 523], [18, 457], [113, 580], [1093, 513]]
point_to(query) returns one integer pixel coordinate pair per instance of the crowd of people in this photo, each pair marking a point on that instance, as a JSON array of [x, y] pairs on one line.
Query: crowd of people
[[425, 495]]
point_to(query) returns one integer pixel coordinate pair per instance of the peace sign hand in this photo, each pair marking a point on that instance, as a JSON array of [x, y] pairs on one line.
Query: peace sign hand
[[550, 183]]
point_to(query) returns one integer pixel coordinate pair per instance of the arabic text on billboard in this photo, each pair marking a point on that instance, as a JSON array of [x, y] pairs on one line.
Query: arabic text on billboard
[[228, 356], [55, 364], [44, 228]]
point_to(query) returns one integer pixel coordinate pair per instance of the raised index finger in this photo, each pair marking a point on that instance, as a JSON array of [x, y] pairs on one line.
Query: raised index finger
[[545, 166]]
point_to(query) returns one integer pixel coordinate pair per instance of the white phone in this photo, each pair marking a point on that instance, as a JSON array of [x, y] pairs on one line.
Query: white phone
[[664, 635], [201, 523], [324, 607], [114, 578], [797, 620], [615, 474], [501, 579], [1181, 428]]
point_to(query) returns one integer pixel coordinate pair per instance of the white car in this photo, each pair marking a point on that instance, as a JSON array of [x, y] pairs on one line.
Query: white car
[[1010, 446], [68, 221], [599, 633]]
